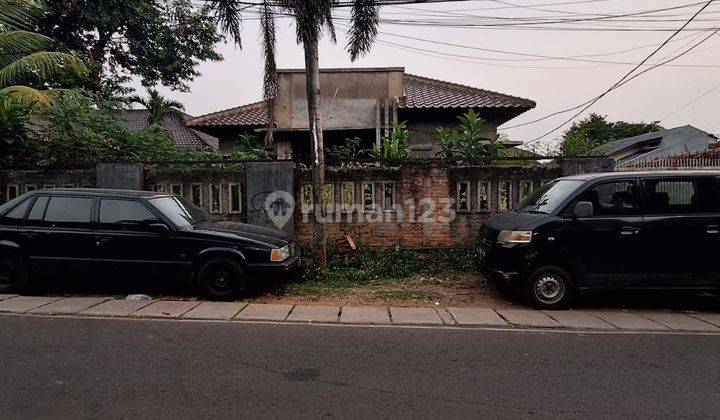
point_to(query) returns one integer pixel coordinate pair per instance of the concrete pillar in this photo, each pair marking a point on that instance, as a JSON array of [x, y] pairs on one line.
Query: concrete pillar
[[121, 176]]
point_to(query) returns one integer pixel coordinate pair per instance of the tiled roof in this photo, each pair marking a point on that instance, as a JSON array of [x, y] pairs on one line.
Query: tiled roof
[[251, 114], [423, 92], [420, 92], [183, 136]]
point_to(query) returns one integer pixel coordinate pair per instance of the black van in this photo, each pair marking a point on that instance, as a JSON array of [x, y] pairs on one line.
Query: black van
[[638, 230]]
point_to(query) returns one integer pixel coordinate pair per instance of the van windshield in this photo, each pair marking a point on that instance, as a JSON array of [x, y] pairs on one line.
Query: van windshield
[[547, 198]]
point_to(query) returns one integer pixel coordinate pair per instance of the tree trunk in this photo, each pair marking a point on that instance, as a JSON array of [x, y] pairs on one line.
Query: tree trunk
[[312, 71]]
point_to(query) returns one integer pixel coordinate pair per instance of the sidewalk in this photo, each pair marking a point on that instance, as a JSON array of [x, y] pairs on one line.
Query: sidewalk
[[607, 320]]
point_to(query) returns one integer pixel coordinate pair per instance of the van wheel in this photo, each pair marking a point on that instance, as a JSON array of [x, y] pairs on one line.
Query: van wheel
[[550, 287], [13, 272], [221, 278]]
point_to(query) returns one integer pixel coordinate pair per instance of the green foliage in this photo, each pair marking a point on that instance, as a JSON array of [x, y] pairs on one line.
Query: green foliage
[[393, 149], [585, 136], [470, 144], [159, 107], [347, 154], [28, 61], [15, 133], [246, 149], [158, 41]]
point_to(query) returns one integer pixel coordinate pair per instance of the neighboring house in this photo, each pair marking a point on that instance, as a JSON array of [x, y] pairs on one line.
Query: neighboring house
[[659, 144], [362, 102], [182, 136]]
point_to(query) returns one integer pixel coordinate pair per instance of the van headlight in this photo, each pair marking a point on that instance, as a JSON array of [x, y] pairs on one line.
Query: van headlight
[[280, 254], [514, 237]]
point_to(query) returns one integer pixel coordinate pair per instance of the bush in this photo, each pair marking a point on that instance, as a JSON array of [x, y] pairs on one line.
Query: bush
[[469, 145], [393, 149]]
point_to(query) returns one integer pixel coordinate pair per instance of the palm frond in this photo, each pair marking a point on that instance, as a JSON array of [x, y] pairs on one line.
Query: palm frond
[[228, 14], [21, 14], [270, 77], [31, 96], [365, 18], [15, 44], [41, 67]]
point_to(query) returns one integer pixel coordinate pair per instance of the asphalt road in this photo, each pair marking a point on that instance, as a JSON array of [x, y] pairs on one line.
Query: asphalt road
[[91, 368]]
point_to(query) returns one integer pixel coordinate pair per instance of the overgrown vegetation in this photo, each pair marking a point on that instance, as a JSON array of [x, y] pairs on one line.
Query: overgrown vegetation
[[584, 137], [348, 154], [393, 148], [469, 144]]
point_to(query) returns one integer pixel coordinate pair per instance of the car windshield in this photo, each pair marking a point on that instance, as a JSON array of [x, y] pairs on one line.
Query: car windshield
[[179, 210], [548, 197]]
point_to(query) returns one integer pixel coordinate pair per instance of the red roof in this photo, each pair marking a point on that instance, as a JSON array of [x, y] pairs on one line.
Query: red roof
[[419, 93], [137, 119]]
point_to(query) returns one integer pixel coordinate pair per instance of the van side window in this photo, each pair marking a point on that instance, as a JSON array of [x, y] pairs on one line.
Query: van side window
[[669, 196], [615, 198], [708, 199]]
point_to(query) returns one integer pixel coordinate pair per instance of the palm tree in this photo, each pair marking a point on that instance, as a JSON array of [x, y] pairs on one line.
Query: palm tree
[[159, 107], [312, 17], [28, 62]]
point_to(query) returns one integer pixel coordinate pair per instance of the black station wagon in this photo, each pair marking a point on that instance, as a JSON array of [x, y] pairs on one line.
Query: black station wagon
[[649, 230], [133, 233]]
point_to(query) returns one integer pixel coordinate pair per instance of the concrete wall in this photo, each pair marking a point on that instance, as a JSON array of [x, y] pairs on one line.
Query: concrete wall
[[579, 166]]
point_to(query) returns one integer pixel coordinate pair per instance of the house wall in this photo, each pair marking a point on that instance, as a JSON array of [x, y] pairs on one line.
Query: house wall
[[423, 212]]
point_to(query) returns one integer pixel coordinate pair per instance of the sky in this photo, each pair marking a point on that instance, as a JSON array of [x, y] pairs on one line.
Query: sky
[[664, 93]]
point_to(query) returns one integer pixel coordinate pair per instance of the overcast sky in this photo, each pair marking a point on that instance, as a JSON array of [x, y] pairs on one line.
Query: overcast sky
[[553, 84]]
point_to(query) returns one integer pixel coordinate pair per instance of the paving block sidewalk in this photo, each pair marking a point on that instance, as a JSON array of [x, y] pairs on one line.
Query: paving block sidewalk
[[600, 320]]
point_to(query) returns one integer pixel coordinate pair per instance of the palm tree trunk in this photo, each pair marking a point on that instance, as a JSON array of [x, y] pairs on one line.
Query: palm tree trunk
[[312, 71]]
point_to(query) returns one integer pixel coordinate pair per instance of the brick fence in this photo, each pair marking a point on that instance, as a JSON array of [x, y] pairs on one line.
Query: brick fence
[[420, 204]]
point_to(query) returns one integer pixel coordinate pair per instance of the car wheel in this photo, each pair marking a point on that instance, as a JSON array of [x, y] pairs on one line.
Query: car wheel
[[221, 278], [550, 287], [13, 272]]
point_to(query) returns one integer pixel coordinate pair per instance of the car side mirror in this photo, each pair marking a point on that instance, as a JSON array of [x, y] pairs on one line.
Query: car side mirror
[[584, 209], [159, 228]]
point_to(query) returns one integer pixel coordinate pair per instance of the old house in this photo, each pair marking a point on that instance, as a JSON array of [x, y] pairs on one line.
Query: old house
[[362, 103], [182, 136]]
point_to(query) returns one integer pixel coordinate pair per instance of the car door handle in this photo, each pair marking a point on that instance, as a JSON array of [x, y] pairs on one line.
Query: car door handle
[[629, 230], [713, 229], [100, 240], [29, 235]]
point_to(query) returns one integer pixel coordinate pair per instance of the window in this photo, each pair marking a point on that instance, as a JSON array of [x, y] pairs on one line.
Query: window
[[235, 198], [48, 186], [368, 196], [463, 196], [615, 198], [388, 196], [196, 194], [307, 198], [158, 188], [69, 186], [124, 215], [708, 198], [12, 192], [329, 197], [17, 214], [504, 196], [669, 196], [483, 196], [30, 187], [176, 189], [526, 188], [347, 196], [37, 212], [215, 199], [68, 212]]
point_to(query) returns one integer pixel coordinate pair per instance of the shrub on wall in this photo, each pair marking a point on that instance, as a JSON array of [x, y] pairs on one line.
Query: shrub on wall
[[468, 144], [394, 148]]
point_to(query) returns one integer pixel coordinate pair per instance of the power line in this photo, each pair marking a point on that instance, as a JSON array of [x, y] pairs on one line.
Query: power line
[[690, 103]]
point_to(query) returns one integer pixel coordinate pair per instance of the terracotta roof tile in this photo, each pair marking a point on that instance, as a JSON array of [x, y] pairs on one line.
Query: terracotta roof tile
[[251, 114], [137, 119], [423, 92]]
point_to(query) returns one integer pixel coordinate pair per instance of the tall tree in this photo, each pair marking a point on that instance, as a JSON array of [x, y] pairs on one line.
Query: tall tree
[[584, 136], [159, 106], [158, 41], [312, 18], [28, 60]]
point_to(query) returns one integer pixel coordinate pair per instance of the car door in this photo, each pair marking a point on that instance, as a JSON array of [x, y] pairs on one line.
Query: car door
[[58, 234], [604, 247], [129, 243], [682, 232]]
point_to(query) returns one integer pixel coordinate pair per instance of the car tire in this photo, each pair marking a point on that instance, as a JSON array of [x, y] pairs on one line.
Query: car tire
[[221, 278], [14, 276], [550, 287]]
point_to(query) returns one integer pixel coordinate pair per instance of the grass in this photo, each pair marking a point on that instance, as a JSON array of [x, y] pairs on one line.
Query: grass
[[406, 295]]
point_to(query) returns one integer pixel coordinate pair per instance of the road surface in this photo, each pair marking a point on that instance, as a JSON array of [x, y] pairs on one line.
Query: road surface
[[95, 368]]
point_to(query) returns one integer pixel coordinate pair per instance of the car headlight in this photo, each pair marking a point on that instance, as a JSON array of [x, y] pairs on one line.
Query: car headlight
[[514, 237], [280, 254]]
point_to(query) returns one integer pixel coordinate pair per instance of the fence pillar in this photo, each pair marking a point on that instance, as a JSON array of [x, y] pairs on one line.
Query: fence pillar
[[589, 165], [122, 176], [269, 194]]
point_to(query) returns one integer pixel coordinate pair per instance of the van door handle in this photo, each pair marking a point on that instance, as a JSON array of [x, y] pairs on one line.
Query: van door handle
[[629, 230], [29, 235], [713, 229]]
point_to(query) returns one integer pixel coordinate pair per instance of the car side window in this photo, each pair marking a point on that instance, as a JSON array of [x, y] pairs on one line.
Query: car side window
[[37, 212], [127, 215], [614, 198], [15, 216], [669, 196], [71, 212], [708, 200]]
